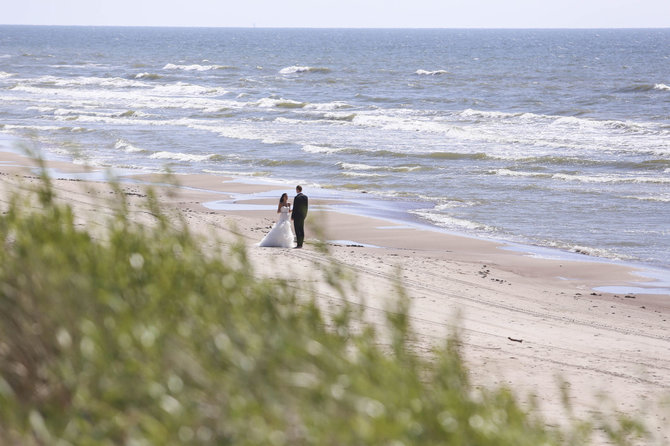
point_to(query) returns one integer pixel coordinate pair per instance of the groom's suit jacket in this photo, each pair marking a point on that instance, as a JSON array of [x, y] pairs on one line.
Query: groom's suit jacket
[[300, 205]]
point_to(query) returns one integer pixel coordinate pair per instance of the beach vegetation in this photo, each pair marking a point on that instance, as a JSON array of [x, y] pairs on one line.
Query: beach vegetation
[[138, 335]]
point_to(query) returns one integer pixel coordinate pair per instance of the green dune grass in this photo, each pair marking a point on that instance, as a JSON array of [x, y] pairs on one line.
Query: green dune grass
[[139, 336]]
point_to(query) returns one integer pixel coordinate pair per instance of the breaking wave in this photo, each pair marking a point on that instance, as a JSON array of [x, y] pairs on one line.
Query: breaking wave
[[431, 73], [152, 76], [303, 69], [196, 67], [177, 156], [127, 147], [281, 103]]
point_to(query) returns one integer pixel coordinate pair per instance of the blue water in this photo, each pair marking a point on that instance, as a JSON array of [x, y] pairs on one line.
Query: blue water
[[554, 138]]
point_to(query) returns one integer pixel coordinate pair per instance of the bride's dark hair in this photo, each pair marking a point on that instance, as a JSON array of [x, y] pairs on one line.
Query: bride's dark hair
[[281, 199]]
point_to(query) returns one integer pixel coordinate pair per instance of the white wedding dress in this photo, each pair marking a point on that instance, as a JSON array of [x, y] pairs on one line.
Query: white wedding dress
[[281, 235]]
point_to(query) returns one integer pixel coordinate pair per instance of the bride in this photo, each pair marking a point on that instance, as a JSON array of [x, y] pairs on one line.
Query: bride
[[281, 234]]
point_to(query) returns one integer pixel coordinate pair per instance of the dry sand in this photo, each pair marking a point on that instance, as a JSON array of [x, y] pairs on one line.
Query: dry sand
[[523, 321]]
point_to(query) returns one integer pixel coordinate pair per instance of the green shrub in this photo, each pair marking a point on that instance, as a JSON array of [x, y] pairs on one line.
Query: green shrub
[[141, 337]]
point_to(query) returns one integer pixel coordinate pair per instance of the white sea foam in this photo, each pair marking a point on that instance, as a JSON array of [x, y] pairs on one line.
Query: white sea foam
[[361, 174], [234, 132], [273, 102], [662, 198], [182, 88], [189, 157], [147, 76], [152, 99], [195, 67], [5, 75], [662, 87], [611, 179], [595, 179], [303, 69], [37, 128], [79, 81], [234, 173], [449, 222], [41, 109], [335, 105], [430, 73], [127, 147], [402, 123], [354, 166], [452, 204], [517, 173], [312, 148]]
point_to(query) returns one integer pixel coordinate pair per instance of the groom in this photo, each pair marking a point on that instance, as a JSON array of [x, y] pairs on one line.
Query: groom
[[298, 215]]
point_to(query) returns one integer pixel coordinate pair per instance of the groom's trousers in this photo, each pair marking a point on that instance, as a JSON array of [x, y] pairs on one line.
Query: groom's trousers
[[299, 225]]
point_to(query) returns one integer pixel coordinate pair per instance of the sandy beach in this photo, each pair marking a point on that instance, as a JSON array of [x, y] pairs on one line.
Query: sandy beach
[[525, 322]]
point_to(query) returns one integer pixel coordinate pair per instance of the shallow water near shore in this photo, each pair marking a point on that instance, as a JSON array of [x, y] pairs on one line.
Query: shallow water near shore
[[554, 138]]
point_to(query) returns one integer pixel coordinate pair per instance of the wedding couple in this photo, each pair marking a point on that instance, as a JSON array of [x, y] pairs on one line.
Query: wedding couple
[[281, 234]]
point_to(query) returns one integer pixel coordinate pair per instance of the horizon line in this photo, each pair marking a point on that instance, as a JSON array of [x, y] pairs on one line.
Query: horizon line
[[352, 27]]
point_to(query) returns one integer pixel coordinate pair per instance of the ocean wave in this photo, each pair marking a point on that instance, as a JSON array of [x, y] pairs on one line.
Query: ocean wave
[[36, 128], [404, 123], [335, 105], [46, 83], [178, 156], [453, 204], [235, 173], [455, 156], [525, 118], [339, 116], [5, 75], [127, 147], [183, 88], [281, 103], [611, 179], [177, 97], [595, 179], [484, 114], [41, 108], [294, 69], [132, 114], [87, 81], [644, 87], [196, 67], [93, 116], [517, 173], [431, 73], [152, 76], [449, 222], [76, 65], [361, 174], [314, 148], [354, 166], [662, 198], [588, 251], [233, 132], [557, 121], [279, 163], [366, 167]]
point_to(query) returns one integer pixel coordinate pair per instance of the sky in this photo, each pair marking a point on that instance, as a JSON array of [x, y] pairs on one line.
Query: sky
[[343, 13]]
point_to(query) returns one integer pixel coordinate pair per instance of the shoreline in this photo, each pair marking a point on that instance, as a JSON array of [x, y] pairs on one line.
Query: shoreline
[[652, 278], [598, 342], [255, 195]]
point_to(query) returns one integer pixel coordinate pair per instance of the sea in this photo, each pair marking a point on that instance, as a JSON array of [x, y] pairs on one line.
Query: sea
[[556, 139]]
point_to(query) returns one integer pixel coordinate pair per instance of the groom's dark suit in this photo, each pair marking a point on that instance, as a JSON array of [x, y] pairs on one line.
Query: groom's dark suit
[[300, 204]]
